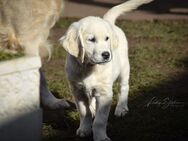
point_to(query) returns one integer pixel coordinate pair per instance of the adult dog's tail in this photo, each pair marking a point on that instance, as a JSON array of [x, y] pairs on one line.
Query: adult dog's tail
[[125, 7], [8, 40]]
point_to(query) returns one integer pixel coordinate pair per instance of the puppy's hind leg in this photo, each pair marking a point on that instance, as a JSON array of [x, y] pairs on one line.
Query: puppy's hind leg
[[122, 105], [82, 103]]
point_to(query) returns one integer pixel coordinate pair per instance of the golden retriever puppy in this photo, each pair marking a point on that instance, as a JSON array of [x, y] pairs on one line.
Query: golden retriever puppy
[[25, 25], [98, 55]]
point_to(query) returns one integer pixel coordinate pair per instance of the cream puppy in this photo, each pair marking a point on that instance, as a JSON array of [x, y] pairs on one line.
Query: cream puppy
[[98, 55]]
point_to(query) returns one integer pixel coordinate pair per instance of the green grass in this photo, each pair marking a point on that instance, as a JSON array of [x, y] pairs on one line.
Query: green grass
[[8, 56], [158, 53], [156, 29]]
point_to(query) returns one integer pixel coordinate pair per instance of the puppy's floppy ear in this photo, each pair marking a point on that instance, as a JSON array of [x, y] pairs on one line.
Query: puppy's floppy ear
[[81, 47], [114, 40], [113, 36], [72, 41]]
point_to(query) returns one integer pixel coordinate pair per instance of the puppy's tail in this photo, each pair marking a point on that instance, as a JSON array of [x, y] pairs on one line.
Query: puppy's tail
[[125, 7]]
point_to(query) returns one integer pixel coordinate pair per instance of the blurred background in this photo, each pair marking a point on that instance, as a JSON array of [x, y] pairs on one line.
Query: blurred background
[[158, 9]]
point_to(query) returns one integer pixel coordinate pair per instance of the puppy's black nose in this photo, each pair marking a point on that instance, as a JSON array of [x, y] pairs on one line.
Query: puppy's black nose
[[105, 55]]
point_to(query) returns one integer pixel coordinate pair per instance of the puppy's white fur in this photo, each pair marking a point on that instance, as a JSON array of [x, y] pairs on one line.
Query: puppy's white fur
[[91, 73]]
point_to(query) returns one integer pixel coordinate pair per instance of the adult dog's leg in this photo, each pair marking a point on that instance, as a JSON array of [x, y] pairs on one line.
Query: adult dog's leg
[[103, 104], [48, 100], [82, 103]]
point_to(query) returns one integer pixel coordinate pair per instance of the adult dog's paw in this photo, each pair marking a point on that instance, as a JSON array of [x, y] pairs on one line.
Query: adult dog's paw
[[121, 111], [59, 104]]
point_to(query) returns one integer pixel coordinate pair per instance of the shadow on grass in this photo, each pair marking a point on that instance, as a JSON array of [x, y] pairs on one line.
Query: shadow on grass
[[156, 113]]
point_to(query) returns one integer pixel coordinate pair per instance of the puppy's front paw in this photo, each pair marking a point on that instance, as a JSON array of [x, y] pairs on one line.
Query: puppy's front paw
[[121, 111], [83, 132], [106, 139], [100, 136]]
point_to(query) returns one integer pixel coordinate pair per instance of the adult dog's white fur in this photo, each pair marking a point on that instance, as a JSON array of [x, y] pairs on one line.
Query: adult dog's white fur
[[25, 24], [98, 55]]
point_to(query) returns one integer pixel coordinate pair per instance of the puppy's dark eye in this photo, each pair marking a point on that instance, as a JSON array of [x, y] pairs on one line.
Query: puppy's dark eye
[[92, 39], [107, 38]]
